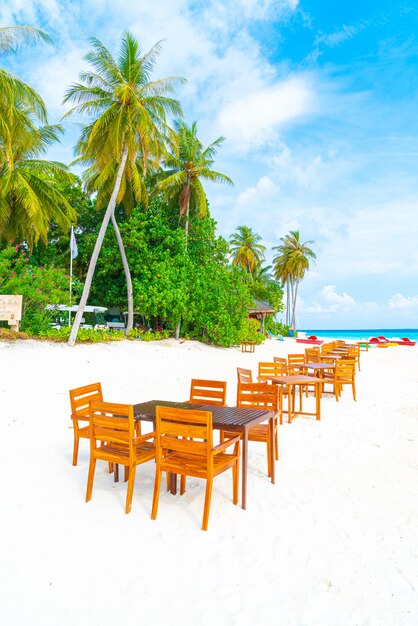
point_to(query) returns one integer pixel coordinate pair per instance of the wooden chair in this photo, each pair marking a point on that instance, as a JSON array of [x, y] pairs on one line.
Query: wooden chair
[[113, 439], [80, 399], [354, 353], [281, 365], [211, 392], [256, 396], [295, 363], [312, 355], [184, 446], [266, 369], [345, 374], [244, 376]]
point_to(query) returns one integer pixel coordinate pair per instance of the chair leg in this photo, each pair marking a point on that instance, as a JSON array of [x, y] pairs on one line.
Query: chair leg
[[354, 390], [75, 449], [90, 479], [110, 468], [168, 481], [276, 442], [235, 482], [131, 482], [208, 497], [268, 455], [156, 497], [182, 484], [125, 473]]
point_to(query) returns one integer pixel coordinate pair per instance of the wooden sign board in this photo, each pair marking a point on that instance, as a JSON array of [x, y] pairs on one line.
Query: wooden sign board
[[11, 310]]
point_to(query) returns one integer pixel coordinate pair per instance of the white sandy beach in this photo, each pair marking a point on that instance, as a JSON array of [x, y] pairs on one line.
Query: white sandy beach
[[333, 543]]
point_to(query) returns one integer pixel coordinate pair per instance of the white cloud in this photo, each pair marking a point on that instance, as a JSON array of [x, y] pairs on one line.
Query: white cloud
[[328, 301], [265, 188], [338, 36], [253, 119], [399, 301]]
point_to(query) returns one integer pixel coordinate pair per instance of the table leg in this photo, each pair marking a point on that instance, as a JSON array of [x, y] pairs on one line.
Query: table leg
[[272, 449], [173, 483], [116, 473], [244, 468], [318, 400]]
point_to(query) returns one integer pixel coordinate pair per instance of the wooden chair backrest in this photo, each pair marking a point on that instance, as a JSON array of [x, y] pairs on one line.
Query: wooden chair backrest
[[112, 423], [311, 354], [295, 359], [81, 398], [281, 365], [345, 370], [183, 431], [280, 359], [327, 348], [258, 396], [208, 392], [266, 369], [244, 376]]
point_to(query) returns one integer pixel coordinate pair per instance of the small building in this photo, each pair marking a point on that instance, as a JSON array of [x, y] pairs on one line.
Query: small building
[[259, 312]]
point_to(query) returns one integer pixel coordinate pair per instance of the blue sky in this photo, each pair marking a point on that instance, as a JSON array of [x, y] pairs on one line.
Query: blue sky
[[318, 101]]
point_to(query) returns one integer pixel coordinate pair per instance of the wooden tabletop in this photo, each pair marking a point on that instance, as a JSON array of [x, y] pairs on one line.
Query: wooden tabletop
[[222, 416], [295, 380], [320, 366]]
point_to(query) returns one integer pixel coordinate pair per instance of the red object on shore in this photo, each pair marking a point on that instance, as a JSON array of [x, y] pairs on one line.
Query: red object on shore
[[400, 342], [405, 342], [312, 340]]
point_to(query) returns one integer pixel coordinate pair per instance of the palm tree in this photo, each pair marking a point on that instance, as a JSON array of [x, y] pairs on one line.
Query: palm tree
[[12, 38], [29, 195], [12, 89], [129, 112], [246, 249], [290, 265], [184, 167]]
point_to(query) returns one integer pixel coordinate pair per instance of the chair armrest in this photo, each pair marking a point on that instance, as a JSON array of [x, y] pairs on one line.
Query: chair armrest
[[144, 438], [223, 446], [84, 418]]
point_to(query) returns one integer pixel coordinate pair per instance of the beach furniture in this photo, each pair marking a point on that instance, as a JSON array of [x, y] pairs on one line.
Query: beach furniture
[[236, 420], [80, 399], [295, 363], [211, 392], [289, 383], [312, 354], [267, 369], [113, 439], [248, 346], [281, 364], [253, 396], [244, 376], [312, 340], [277, 337], [353, 352], [184, 445], [343, 374]]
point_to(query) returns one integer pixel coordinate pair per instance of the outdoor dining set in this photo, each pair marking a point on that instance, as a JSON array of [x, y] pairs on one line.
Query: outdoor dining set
[[181, 442]]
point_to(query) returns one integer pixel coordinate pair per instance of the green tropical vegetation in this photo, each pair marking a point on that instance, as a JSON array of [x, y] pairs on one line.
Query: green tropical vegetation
[[162, 261]]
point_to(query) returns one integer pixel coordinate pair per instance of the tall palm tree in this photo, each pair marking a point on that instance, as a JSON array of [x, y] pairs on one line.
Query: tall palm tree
[[29, 186], [291, 263], [185, 167], [246, 249], [12, 38], [129, 112]]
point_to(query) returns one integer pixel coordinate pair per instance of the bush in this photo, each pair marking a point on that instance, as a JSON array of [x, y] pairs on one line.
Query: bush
[[85, 335], [147, 335], [6, 334], [250, 331], [277, 328], [39, 287]]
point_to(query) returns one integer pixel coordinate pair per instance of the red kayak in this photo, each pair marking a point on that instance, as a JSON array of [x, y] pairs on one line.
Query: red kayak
[[312, 340], [404, 342]]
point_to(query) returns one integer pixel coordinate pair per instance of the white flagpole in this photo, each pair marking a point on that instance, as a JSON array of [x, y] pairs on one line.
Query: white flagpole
[[71, 278]]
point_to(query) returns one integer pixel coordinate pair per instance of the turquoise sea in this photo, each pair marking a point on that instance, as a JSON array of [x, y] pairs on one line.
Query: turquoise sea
[[411, 333]]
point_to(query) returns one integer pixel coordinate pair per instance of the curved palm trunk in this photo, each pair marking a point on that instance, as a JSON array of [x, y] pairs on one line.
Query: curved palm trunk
[[99, 242], [129, 287]]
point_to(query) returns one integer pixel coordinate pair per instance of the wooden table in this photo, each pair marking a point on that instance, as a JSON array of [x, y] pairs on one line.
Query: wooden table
[[319, 369], [291, 382], [248, 346], [223, 418]]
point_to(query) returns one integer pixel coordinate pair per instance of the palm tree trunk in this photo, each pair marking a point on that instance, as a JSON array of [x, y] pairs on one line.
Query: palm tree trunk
[[99, 242], [186, 230], [129, 287], [295, 296]]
